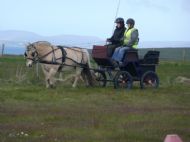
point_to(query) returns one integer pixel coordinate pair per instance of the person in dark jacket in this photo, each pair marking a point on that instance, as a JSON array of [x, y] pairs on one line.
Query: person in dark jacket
[[117, 38]]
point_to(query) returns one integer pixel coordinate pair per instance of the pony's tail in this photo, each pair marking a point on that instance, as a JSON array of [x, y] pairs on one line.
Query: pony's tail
[[87, 70]]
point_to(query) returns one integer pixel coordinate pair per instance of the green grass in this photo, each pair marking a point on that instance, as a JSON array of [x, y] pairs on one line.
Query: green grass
[[29, 112]]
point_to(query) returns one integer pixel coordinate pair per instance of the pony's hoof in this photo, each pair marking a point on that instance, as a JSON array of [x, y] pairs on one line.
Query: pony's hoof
[[73, 86], [87, 86], [52, 87]]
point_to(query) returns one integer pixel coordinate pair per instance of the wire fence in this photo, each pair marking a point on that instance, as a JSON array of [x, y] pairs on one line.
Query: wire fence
[[13, 67], [0, 51], [170, 54]]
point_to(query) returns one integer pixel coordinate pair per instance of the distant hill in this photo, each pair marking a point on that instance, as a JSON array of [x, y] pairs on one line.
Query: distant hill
[[15, 41], [13, 36], [19, 36], [22, 37]]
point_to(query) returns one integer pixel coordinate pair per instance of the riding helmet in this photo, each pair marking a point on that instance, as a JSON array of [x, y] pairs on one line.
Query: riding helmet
[[119, 20], [131, 21]]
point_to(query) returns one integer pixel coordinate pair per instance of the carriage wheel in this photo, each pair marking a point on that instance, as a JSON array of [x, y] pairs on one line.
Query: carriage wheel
[[123, 79], [100, 78], [149, 80]]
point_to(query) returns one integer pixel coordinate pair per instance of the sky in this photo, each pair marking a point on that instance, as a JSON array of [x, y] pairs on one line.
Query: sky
[[156, 20]]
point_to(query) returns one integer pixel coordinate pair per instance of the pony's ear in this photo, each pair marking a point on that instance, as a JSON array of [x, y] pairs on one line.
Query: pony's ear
[[27, 44], [25, 54]]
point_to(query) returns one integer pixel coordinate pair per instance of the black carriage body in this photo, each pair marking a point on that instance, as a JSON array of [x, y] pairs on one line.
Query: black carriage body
[[137, 67], [131, 63]]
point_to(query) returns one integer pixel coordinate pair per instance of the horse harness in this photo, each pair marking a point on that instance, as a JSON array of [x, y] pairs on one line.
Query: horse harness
[[54, 59]]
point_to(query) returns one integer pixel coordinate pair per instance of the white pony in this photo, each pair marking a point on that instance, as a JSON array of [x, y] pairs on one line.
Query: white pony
[[56, 58]]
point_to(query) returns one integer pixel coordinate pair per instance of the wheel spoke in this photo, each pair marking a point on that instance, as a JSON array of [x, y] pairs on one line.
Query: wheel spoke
[[100, 77], [123, 80]]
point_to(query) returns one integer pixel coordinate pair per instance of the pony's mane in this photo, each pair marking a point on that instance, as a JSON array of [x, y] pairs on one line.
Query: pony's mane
[[38, 43], [43, 43]]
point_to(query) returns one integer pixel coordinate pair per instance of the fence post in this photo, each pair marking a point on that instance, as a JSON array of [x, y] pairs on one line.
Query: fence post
[[183, 54], [2, 49]]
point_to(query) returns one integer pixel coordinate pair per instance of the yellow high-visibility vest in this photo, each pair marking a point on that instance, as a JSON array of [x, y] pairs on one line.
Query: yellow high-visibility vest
[[127, 37]]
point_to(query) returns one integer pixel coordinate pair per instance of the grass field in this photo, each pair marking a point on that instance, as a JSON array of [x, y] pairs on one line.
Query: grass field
[[31, 113]]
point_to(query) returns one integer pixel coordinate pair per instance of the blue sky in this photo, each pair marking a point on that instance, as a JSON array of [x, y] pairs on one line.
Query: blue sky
[[157, 20]]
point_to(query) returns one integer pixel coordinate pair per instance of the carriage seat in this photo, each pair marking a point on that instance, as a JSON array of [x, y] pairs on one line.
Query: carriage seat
[[151, 57], [131, 55], [99, 52], [100, 55]]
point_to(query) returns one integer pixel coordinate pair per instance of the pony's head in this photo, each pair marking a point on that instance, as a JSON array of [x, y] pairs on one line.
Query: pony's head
[[31, 55]]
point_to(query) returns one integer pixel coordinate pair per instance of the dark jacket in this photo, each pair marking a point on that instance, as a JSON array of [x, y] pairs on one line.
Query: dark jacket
[[117, 37]]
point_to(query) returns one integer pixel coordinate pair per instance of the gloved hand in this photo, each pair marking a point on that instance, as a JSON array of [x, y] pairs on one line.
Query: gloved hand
[[108, 40]]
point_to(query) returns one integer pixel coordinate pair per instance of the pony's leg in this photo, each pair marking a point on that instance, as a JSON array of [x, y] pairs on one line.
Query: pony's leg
[[51, 77], [66, 78], [84, 78], [60, 76], [77, 77], [46, 76]]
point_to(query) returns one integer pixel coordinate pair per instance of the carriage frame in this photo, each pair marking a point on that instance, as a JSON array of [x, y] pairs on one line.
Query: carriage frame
[[132, 68]]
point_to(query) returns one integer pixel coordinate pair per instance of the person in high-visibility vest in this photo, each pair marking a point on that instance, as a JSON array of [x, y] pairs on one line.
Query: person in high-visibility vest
[[130, 41], [117, 38]]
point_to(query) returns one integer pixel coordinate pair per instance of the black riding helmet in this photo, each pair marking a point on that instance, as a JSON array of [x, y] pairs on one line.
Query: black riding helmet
[[131, 21], [119, 20]]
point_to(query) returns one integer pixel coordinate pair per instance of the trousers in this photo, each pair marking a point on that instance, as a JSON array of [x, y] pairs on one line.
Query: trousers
[[119, 53], [111, 48]]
